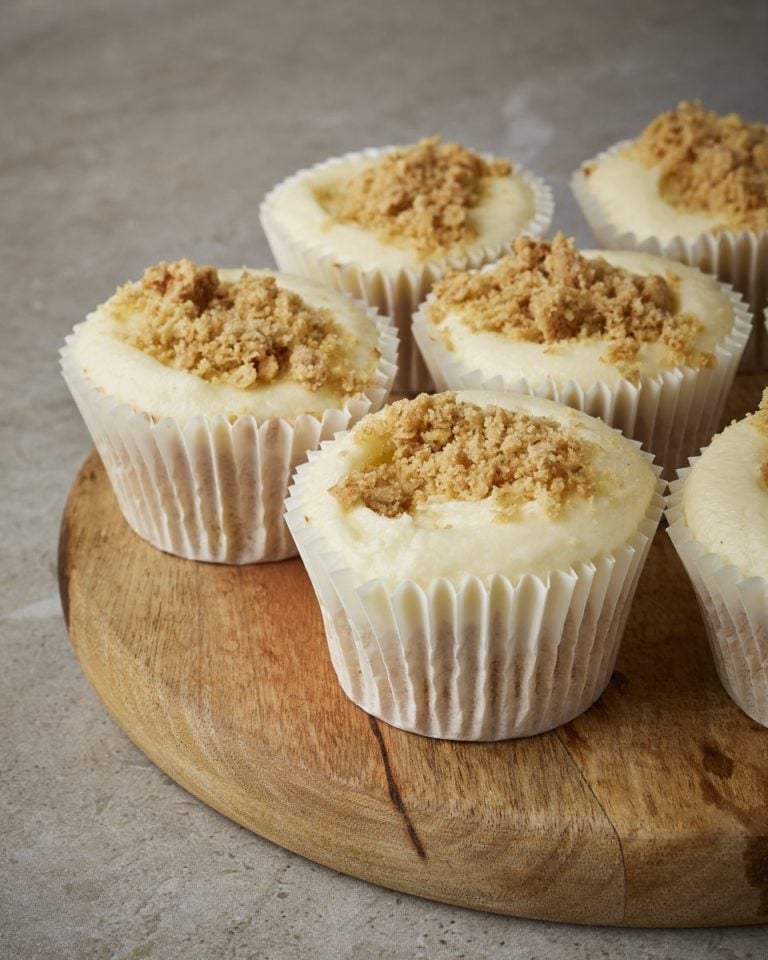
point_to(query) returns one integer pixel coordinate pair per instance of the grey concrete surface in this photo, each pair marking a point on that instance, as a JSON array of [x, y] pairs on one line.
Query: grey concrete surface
[[138, 131]]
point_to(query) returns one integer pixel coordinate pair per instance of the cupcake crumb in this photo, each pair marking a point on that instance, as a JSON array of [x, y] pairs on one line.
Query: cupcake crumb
[[549, 293], [245, 332], [438, 446], [709, 163], [422, 194], [623, 355], [759, 420]]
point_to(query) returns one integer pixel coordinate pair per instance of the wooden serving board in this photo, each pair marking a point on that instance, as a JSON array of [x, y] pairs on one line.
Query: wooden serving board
[[651, 809]]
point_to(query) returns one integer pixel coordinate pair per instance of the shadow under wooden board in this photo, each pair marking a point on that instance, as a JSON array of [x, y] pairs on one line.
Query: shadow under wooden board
[[651, 809]]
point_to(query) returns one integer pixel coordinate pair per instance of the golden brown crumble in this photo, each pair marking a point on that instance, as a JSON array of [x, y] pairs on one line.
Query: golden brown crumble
[[442, 447], [245, 332], [550, 293], [421, 193], [760, 421], [710, 163]]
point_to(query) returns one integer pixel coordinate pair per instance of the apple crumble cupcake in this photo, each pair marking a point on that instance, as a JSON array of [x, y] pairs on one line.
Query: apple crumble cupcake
[[384, 224], [204, 388], [692, 187], [718, 521], [475, 556], [648, 345]]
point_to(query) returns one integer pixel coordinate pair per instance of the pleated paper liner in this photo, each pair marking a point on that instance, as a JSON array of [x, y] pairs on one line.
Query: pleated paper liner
[[734, 609], [474, 661], [210, 489]]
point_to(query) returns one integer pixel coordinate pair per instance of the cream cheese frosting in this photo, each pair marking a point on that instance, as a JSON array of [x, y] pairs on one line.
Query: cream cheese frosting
[[507, 207], [690, 172], [583, 361], [458, 538], [725, 503], [627, 193], [134, 377]]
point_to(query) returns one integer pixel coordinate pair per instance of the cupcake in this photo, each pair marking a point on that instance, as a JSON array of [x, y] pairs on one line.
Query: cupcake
[[648, 345], [204, 388], [383, 225], [718, 521], [475, 556], [692, 187]]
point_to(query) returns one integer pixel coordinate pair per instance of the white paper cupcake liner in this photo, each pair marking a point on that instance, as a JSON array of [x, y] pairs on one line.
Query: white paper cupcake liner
[[739, 258], [672, 414], [210, 489], [395, 293], [474, 661], [734, 609]]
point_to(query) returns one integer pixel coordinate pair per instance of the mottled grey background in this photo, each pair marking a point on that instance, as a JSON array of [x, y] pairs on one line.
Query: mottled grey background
[[143, 130]]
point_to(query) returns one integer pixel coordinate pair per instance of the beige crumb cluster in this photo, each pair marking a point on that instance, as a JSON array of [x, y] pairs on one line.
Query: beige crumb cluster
[[438, 446], [760, 421], [549, 293], [245, 333], [422, 194], [710, 163]]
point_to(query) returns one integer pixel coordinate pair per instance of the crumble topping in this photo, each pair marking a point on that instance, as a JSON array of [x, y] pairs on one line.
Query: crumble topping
[[437, 446], [421, 193], [245, 332], [760, 421], [549, 293], [709, 163]]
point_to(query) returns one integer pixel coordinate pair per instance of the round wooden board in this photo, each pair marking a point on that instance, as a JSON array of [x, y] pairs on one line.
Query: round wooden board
[[651, 809]]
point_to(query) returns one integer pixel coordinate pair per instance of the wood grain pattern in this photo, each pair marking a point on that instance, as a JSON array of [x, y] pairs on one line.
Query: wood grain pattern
[[651, 809]]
